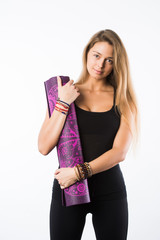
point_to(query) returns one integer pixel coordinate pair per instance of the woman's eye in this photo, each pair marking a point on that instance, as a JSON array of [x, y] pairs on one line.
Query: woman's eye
[[110, 60], [96, 55]]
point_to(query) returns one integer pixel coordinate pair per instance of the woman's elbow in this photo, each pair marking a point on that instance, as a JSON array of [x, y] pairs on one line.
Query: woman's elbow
[[45, 146], [42, 150], [122, 155]]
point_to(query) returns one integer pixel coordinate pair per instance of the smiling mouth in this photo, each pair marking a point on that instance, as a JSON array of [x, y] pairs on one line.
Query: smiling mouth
[[99, 72]]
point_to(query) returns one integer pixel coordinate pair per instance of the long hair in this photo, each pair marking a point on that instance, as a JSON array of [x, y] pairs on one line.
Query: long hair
[[119, 78]]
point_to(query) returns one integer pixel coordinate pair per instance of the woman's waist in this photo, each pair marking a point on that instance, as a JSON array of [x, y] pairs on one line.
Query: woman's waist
[[109, 173], [108, 181]]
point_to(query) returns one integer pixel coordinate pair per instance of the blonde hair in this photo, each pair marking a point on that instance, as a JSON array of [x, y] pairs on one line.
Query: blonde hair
[[119, 78]]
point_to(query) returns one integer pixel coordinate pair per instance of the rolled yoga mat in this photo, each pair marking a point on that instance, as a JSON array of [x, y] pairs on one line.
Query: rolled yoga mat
[[69, 149]]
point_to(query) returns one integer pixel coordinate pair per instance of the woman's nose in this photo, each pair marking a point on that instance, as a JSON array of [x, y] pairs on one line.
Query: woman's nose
[[100, 63]]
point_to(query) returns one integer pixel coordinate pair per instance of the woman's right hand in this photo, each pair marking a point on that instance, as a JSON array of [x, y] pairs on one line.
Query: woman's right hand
[[68, 92]]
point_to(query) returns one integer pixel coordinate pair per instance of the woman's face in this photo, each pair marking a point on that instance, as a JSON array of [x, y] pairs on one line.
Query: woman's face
[[100, 60]]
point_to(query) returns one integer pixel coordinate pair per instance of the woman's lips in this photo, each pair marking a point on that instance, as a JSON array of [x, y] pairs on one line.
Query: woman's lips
[[98, 72]]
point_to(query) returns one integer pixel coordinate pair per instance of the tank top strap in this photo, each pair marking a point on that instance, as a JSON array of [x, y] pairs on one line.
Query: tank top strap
[[114, 98]]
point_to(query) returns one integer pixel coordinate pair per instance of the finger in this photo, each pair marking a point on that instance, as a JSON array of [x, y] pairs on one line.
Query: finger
[[59, 81], [57, 171], [70, 82], [60, 182]]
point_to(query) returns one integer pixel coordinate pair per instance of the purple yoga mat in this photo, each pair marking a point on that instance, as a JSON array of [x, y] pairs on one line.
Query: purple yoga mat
[[69, 148]]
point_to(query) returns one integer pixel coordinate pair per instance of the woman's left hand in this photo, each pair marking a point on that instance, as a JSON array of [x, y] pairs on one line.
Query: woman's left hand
[[65, 176]]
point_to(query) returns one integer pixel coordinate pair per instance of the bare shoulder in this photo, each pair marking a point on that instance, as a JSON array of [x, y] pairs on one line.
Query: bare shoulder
[[80, 86], [81, 89]]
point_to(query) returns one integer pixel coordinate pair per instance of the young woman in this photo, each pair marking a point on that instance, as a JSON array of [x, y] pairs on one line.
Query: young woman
[[107, 116]]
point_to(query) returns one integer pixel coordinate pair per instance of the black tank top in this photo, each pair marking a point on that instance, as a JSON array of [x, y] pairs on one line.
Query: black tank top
[[97, 132]]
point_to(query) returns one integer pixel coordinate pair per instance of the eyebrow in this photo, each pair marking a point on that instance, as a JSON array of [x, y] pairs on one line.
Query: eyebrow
[[101, 54]]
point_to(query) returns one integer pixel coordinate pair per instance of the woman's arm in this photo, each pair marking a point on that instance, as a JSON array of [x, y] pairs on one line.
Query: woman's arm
[[50, 131], [52, 127], [123, 138], [118, 152]]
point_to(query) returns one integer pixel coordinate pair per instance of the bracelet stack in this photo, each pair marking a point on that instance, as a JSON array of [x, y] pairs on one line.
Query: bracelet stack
[[62, 106], [83, 171]]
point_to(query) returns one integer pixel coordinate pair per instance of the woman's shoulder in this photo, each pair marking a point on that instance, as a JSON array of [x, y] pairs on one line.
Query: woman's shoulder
[[80, 86]]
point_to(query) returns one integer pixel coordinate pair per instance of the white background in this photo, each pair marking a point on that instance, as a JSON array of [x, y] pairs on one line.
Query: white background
[[42, 39]]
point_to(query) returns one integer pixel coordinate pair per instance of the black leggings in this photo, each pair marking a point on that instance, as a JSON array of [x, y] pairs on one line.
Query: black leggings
[[109, 218]]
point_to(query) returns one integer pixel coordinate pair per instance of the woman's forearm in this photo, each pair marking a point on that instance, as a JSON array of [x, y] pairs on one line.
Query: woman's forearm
[[107, 160], [50, 132]]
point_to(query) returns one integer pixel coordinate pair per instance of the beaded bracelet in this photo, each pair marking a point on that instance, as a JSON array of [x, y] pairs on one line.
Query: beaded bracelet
[[58, 100], [62, 106], [81, 170], [79, 173], [84, 170], [88, 169], [61, 110]]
